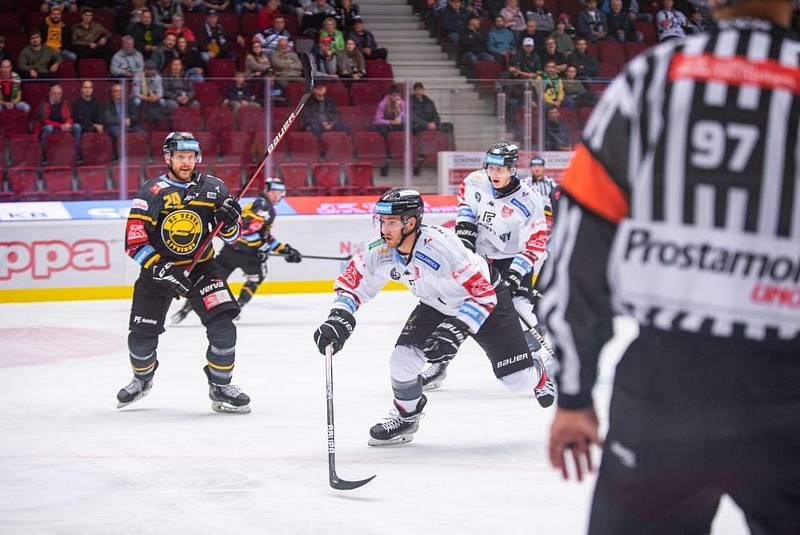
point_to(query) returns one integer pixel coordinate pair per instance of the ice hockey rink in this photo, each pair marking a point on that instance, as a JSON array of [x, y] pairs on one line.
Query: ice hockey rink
[[74, 464]]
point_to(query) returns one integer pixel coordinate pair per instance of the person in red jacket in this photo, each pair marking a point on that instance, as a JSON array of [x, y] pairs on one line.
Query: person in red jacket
[[54, 116]]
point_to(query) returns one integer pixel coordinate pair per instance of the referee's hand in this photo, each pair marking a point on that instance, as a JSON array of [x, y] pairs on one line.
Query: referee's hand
[[572, 433]]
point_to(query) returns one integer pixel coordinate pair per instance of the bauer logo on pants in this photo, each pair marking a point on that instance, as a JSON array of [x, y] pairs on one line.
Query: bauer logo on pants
[[181, 231]]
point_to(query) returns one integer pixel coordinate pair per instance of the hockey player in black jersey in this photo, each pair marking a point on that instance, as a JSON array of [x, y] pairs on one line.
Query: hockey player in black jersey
[[251, 250], [170, 217]]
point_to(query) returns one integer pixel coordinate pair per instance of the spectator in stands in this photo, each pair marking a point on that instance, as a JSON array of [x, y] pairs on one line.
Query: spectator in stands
[[147, 35], [148, 93], [256, 62], [90, 38], [266, 17], [531, 32], [620, 25], [500, 41], [423, 112], [515, 19], [178, 88], [390, 113], [329, 31], [285, 63], [321, 7], [239, 94], [37, 60], [131, 14], [592, 22], [525, 63], [113, 111], [697, 23], [192, 6], [366, 41], [345, 15], [552, 85], [545, 22], [217, 5], [127, 61], [54, 31], [585, 64], [247, 6], [472, 44], [575, 93], [631, 7], [350, 61], [454, 20], [312, 13], [163, 11], [212, 41], [325, 61], [670, 23], [86, 110], [165, 53], [564, 43], [556, 133], [550, 53], [68, 5], [11, 89], [192, 62], [4, 54], [269, 37], [54, 116], [320, 113], [179, 29]]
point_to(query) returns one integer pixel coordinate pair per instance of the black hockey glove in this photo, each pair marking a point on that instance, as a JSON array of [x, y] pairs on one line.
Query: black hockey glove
[[229, 212], [468, 232], [290, 254], [171, 276], [513, 281], [335, 330], [443, 343]]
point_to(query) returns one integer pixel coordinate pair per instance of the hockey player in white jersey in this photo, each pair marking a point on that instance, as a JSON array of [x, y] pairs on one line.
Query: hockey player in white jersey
[[457, 299], [502, 219]]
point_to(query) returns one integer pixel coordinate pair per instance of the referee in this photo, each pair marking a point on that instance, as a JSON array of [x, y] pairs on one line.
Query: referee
[[681, 208]]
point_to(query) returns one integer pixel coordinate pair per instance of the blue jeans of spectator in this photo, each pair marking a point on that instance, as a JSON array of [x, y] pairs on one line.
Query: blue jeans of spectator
[[471, 58], [455, 37], [21, 106], [195, 73], [318, 130], [66, 54], [75, 129]]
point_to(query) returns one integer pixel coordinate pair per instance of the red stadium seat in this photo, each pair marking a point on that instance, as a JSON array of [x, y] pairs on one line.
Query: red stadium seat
[[249, 23], [34, 93], [24, 151], [648, 29], [258, 183], [397, 145], [58, 183], [96, 149], [365, 93], [94, 181], [303, 147], [92, 68], [370, 147], [431, 143], [278, 156], [359, 179], [633, 49], [208, 144], [220, 118], [157, 138], [10, 23], [230, 24], [13, 122], [325, 178], [236, 147], [380, 72], [487, 72], [337, 147], [221, 68], [231, 174], [294, 90], [187, 120], [71, 89], [251, 122], [339, 94], [207, 94], [295, 176], [356, 117], [136, 145], [134, 178], [611, 52], [583, 116], [59, 149], [607, 70], [23, 184], [279, 116]]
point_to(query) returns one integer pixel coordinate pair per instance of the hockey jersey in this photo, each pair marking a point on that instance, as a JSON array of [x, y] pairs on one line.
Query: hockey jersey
[[440, 271], [171, 219], [257, 219], [509, 226]]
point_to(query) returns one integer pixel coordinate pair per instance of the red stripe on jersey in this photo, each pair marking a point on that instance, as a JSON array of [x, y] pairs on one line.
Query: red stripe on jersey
[[478, 286], [737, 70], [588, 182]]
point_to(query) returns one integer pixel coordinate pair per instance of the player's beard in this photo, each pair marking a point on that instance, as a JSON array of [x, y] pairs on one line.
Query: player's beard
[[181, 174]]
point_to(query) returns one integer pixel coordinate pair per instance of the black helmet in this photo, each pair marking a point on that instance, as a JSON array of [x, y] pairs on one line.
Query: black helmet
[[182, 141], [401, 201], [505, 154], [274, 184]]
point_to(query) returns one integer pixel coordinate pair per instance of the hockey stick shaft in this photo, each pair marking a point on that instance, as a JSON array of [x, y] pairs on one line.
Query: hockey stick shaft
[[315, 257], [309, 81]]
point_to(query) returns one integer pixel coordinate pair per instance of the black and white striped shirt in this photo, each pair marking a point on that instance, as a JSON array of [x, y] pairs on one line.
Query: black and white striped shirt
[[682, 203]]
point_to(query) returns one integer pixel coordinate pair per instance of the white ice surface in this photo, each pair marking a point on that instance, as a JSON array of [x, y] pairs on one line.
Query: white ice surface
[[73, 464]]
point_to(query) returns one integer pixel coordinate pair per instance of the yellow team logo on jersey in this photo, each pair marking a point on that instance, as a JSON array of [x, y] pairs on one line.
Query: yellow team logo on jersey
[[181, 231]]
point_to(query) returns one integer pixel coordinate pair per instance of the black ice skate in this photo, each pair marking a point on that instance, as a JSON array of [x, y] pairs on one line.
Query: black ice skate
[[227, 398], [399, 427], [434, 375], [136, 390], [181, 314], [545, 391]]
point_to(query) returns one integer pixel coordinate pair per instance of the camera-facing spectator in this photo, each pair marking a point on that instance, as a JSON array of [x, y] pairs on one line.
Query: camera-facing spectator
[[552, 85], [86, 110], [269, 37], [178, 88], [266, 16], [424, 116], [350, 61], [514, 17], [500, 41], [545, 21], [55, 35], [551, 53], [166, 52], [631, 8], [113, 112], [164, 9], [365, 41], [90, 38], [4, 54], [697, 23], [147, 35], [192, 61], [592, 22], [390, 113], [564, 43], [321, 114], [345, 15], [212, 41], [531, 32], [127, 61], [37, 60], [454, 20], [239, 94], [247, 6], [325, 61], [525, 63], [335, 36], [575, 93], [472, 44], [256, 62], [148, 93], [556, 133], [285, 63], [54, 116], [584, 63], [620, 25], [670, 22], [179, 29], [11, 89]]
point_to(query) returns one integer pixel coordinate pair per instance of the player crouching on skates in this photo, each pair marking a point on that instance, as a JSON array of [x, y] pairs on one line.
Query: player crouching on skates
[[503, 220], [251, 250], [457, 299], [169, 219]]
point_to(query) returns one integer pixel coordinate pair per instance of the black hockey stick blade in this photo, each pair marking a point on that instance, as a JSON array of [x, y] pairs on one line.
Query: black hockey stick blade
[[341, 484], [308, 72], [316, 257]]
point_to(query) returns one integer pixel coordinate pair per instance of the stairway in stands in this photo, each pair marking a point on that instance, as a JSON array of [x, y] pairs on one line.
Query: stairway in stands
[[416, 56]]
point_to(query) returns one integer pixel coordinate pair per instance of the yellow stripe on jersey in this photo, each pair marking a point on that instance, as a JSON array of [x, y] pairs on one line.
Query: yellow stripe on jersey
[[202, 203], [143, 217], [151, 260]]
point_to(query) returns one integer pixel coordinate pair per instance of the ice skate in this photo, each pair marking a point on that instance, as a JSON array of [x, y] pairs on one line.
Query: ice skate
[[434, 375], [399, 427], [545, 391], [227, 398], [181, 314], [136, 390]]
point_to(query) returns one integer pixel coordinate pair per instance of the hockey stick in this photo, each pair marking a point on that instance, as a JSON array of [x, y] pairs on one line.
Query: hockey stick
[[336, 483], [531, 328], [313, 257], [309, 86]]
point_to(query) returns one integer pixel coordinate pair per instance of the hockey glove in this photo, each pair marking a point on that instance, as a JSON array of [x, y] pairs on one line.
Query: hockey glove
[[229, 212], [290, 254], [513, 281], [468, 232], [171, 276], [335, 330], [443, 343]]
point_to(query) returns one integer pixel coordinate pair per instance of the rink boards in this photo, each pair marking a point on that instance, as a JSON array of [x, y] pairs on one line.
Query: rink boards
[[57, 251]]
